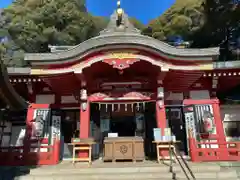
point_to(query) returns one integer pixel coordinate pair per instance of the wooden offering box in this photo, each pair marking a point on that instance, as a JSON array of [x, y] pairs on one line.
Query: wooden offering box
[[123, 148]]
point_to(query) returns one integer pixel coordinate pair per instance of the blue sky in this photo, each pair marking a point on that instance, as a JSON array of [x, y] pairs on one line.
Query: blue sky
[[4, 3], [143, 10]]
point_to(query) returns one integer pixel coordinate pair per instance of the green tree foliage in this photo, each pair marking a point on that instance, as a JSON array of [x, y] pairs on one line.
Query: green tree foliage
[[183, 18], [220, 15], [35, 24], [137, 24], [203, 22]]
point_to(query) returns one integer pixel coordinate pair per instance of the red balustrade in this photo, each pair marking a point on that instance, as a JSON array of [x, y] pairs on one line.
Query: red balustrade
[[214, 151], [16, 156]]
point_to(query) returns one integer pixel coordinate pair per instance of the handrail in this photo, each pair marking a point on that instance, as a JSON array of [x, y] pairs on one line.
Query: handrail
[[185, 163], [172, 151]]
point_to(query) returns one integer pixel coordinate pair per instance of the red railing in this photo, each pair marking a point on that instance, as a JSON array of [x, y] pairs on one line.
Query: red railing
[[214, 151], [17, 156]]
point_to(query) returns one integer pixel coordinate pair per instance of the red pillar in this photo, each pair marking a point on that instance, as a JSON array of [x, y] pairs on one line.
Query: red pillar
[[84, 126], [161, 123], [28, 132], [219, 125], [161, 117]]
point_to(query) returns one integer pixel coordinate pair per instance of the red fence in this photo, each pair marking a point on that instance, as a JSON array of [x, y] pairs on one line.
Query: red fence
[[214, 151], [17, 156]]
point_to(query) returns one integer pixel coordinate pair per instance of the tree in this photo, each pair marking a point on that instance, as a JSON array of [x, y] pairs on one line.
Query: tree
[[183, 18], [219, 15], [203, 22], [137, 24], [33, 24]]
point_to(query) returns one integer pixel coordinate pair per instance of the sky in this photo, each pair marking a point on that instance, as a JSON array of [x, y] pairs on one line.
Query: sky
[[143, 10]]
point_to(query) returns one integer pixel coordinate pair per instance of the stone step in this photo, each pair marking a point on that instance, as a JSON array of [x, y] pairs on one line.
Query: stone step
[[121, 170], [127, 171], [127, 176]]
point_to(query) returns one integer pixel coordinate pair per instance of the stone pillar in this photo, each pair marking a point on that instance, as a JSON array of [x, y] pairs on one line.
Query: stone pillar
[[161, 116], [84, 119]]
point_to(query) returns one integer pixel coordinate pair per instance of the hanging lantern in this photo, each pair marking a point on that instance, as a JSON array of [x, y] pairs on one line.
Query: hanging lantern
[[119, 107], [112, 107], [144, 106], [126, 107], [138, 107], [132, 106], [106, 107]]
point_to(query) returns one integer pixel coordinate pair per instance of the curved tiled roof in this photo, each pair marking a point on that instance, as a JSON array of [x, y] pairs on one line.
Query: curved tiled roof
[[127, 36], [8, 93]]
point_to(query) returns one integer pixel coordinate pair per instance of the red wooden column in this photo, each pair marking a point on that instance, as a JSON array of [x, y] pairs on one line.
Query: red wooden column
[[28, 132], [219, 124], [161, 116], [84, 120]]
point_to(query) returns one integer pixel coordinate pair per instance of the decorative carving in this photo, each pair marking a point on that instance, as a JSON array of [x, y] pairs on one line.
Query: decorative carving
[[123, 149], [121, 60], [121, 55], [121, 96], [120, 63]]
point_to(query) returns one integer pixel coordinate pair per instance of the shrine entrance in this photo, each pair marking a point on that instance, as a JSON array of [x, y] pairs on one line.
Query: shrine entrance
[[129, 119], [176, 122]]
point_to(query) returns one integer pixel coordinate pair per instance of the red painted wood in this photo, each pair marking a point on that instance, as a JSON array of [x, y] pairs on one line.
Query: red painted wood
[[224, 152], [28, 132], [84, 127], [219, 124], [162, 123], [14, 156], [214, 154]]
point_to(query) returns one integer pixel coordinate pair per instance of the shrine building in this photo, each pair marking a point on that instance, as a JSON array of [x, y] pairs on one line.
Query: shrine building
[[120, 82]]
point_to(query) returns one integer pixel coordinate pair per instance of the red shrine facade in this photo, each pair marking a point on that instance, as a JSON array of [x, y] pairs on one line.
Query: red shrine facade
[[117, 75]]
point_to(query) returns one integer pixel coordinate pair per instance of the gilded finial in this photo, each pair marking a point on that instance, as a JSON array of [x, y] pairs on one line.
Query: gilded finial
[[119, 13], [118, 3]]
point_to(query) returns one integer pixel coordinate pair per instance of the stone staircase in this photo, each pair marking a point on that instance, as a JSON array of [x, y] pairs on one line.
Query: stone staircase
[[127, 171]]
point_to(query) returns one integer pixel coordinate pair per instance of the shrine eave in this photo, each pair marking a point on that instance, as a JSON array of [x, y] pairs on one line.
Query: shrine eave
[[122, 40], [8, 93], [230, 65]]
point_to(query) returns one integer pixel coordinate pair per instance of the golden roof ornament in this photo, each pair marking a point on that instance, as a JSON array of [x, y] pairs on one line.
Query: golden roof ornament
[[119, 13]]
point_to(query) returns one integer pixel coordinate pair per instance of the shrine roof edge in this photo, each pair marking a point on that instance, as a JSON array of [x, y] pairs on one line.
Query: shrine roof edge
[[123, 38]]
